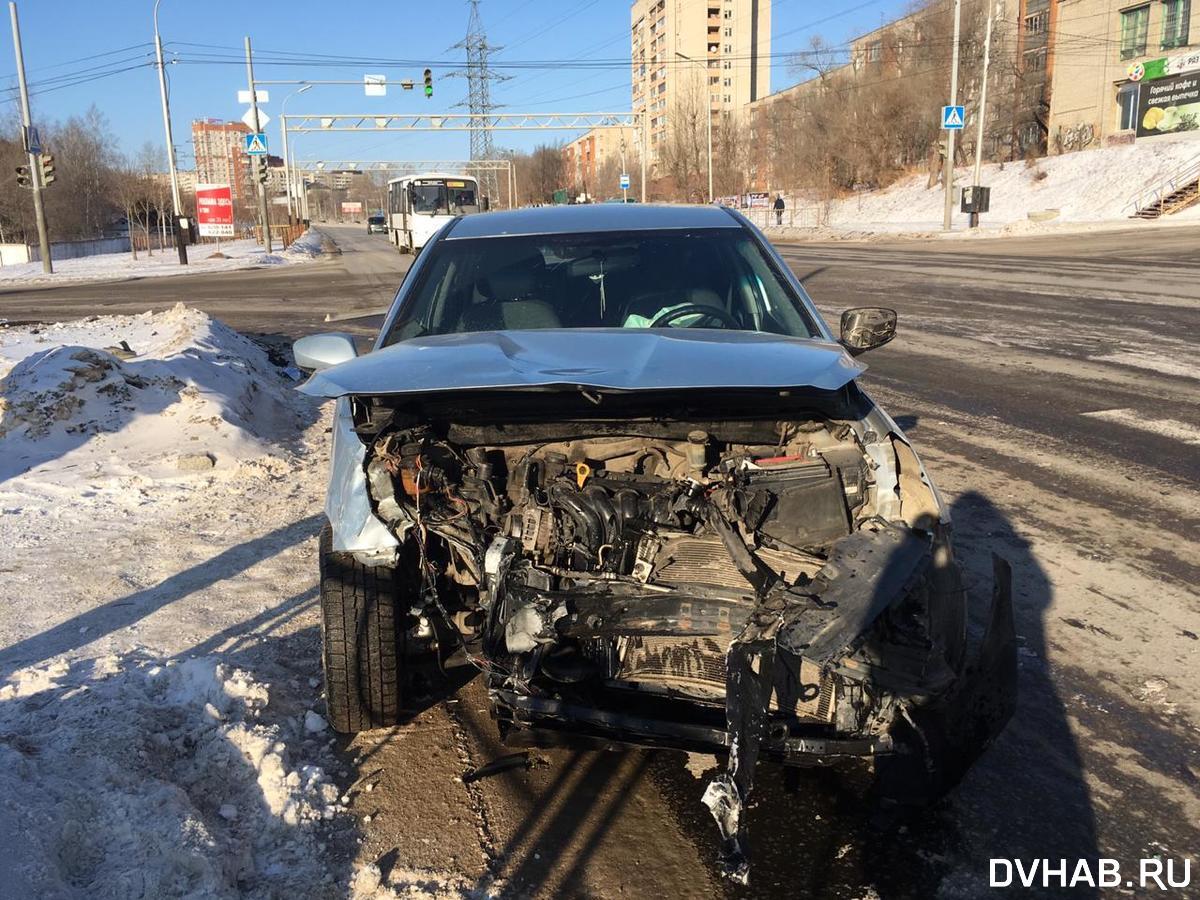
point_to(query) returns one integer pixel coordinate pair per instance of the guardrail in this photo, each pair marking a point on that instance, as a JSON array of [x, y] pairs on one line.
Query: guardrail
[[1161, 190], [793, 217]]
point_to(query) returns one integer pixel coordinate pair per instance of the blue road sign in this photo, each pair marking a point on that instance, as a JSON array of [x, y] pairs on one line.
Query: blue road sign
[[256, 144], [33, 141], [953, 117], [624, 182]]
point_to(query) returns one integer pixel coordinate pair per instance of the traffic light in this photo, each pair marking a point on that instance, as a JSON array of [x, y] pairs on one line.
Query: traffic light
[[262, 172], [24, 178], [428, 83], [47, 163]]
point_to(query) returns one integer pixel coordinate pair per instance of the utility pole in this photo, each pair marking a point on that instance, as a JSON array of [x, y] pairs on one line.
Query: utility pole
[[176, 206], [35, 164], [948, 165], [982, 112], [264, 213]]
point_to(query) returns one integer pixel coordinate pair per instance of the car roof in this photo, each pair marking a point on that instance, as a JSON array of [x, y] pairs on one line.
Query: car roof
[[589, 217]]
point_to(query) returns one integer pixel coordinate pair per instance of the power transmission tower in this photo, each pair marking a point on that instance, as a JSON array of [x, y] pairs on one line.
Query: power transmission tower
[[479, 90]]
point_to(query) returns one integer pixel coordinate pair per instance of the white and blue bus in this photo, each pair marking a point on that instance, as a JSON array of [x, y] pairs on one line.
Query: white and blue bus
[[418, 205]]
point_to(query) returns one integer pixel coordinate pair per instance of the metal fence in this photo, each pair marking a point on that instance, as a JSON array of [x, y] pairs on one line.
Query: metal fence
[[793, 217], [76, 249]]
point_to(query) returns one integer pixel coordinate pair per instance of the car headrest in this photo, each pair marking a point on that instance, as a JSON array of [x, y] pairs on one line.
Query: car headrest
[[514, 280], [704, 297]]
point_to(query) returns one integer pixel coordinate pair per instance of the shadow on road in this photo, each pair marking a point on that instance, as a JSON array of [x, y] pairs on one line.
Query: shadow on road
[[816, 833]]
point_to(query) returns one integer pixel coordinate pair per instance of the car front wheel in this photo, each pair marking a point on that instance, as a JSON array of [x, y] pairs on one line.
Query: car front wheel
[[363, 638]]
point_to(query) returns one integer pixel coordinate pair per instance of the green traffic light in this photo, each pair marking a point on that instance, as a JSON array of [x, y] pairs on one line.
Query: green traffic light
[[429, 90]]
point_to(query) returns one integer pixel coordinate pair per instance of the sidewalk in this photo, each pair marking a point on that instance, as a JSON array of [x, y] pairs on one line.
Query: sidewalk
[[240, 254]]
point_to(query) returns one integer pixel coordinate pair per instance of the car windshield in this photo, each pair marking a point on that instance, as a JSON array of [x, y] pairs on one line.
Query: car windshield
[[710, 278], [443, 196], [376, 220]]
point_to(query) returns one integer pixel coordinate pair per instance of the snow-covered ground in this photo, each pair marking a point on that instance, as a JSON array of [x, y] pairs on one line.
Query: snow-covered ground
[[160, 685], [1089, 189], [240, 254]]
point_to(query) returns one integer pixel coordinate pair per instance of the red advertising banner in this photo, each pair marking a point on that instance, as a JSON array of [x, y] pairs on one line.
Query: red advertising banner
[[214, 210]]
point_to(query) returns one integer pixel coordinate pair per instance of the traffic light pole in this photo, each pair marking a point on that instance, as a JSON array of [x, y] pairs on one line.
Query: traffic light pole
[[264, 213], [176, 205], [35, 165]]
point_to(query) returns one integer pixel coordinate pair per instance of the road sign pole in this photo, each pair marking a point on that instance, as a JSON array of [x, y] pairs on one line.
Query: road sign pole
[[982, 111], [264, 211], [35, 166], [948, 165]]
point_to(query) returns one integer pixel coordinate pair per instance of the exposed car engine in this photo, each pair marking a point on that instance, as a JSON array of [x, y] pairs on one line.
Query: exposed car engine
[[747, 585]]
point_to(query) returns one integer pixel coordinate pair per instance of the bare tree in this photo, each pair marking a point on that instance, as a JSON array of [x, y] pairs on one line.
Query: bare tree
[[130, 194]]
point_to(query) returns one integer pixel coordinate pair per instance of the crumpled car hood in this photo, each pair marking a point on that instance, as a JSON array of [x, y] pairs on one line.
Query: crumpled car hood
[[602, 358]]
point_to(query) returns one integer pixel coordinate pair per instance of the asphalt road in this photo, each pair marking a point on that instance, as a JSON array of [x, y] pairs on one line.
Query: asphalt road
[[1052, 387]]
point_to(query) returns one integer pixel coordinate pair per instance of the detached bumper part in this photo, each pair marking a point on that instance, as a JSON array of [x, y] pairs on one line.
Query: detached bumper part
[[951, 733]]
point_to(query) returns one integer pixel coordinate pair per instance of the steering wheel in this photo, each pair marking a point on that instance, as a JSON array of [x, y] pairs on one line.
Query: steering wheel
[[663, 319]]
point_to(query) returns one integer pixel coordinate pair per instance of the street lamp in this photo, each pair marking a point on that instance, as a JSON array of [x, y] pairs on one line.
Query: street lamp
[[287, 169], [166, 110], [707, 117]]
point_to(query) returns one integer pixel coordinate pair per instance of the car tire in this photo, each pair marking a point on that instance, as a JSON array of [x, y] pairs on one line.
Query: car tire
[[363, 641]]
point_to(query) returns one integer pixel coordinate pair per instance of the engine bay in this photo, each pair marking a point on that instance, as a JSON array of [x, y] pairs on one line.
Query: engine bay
[[716, 578]]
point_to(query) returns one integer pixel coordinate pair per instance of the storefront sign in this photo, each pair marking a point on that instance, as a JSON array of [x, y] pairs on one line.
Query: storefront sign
[[1169, 105], [1164, 66]]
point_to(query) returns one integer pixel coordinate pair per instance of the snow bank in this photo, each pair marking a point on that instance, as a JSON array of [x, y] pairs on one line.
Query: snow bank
[[163, 394], [133, 777], [1086, 187], [240, 254], [307, 246]]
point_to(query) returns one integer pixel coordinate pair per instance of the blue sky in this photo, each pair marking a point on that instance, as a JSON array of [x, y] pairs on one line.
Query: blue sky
[[68, 43]]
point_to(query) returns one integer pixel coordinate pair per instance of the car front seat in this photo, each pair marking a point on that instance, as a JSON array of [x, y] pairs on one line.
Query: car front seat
[[509, 304]]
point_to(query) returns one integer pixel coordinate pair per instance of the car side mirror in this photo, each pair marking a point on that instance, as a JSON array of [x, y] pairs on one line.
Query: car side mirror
[[867, 327], [321, 351]]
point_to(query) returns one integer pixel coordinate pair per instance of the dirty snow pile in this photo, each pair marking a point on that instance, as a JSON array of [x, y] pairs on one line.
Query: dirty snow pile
[[307, 246], [1086, 187], [155, 394], [134, 777]]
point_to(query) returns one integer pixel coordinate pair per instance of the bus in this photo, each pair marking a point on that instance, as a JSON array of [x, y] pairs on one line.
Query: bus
[[418, 205]]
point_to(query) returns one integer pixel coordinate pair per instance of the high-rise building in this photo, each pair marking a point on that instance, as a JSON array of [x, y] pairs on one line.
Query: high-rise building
[[220, 149], [711, 53]]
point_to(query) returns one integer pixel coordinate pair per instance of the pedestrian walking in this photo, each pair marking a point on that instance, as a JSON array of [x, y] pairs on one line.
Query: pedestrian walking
[[779, 209]]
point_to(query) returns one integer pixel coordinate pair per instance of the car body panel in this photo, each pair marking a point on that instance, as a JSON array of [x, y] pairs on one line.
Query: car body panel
[[589, 219], [356, 528], [601, 358]]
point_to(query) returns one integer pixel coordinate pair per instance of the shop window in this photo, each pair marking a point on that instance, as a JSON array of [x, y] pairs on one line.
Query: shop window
[[1127, 103]]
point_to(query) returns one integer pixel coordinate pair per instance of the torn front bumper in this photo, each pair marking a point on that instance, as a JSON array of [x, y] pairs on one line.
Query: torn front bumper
[[931, 727]]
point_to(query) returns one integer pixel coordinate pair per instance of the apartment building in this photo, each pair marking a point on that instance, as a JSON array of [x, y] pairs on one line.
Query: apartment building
[[716, 53], [221, 156], [584, 158], [1125, 71], [1037, 32]]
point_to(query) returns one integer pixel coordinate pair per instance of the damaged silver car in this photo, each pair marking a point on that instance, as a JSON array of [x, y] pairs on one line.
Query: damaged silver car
[[614, 458]]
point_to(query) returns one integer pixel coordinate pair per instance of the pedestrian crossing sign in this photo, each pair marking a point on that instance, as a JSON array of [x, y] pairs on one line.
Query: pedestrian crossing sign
[[952, 117], [256, 144]]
